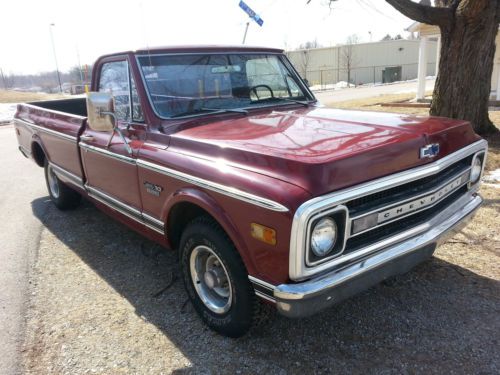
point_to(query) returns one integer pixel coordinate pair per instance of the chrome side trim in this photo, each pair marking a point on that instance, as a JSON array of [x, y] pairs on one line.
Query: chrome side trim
[[105, 152], [45, 130], [298, 269], [113, 201], [265, 285], [213, 186], [260, 282], [25, 151], [68, 175], [158, 224], [264, 296], [123, 208]]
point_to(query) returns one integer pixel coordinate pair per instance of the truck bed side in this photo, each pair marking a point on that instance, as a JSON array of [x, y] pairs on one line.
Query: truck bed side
[[51, 129]]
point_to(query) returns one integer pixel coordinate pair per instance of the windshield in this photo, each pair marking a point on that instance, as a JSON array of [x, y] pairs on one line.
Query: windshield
[[184, 85]]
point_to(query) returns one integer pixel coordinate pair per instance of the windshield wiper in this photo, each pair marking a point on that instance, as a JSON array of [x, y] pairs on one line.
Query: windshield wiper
[[223, 110], [305, 103], [209, 111]]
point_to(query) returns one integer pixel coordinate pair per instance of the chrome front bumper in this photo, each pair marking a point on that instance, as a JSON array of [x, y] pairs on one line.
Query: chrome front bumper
[[308, 297]]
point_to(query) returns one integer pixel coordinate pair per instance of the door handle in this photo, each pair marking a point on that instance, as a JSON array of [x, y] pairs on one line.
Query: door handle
[[87, 138]]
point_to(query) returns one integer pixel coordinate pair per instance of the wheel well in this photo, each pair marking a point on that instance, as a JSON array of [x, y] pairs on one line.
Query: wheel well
[[179, 217], [38, 154]]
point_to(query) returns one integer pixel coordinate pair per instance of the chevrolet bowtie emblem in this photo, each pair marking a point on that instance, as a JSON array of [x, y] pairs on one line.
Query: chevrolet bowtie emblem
[[429, 151]]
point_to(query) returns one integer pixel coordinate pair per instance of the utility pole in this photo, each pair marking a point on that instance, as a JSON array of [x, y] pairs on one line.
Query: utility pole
[[246, 31], [55, 56]]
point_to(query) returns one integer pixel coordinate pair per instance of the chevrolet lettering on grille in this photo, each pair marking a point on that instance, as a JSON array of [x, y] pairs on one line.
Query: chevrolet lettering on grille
[[422, 202]]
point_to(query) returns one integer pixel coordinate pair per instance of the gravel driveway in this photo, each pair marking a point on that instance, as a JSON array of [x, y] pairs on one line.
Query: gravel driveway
[[97, 306]]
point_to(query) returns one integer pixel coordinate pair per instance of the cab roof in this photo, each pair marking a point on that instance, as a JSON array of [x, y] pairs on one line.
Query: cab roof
[[198, 49]]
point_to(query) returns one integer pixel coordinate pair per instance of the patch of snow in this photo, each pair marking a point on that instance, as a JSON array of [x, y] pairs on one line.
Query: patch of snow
[[493, 177], [7, 111], [337, 86]]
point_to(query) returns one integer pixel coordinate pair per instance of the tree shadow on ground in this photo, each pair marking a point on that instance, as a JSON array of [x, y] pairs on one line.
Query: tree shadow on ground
[[437, 317]]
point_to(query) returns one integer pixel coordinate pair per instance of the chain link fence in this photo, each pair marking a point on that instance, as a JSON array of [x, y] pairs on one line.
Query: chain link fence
[[327, 79]]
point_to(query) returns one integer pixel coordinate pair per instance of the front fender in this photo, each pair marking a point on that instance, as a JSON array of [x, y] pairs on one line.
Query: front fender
[[213, 208]]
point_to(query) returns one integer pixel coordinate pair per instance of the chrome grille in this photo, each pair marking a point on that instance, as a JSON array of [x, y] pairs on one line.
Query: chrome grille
[[399, 226], [386, 197]]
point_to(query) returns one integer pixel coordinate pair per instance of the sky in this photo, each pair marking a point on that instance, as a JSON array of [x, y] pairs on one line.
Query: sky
[[84, 30]]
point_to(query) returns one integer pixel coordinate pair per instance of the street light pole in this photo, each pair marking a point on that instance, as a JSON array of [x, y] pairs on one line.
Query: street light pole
[[55, 56]]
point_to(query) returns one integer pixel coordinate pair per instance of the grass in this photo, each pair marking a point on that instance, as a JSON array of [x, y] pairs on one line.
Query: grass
[[374, 104], [10, 96]]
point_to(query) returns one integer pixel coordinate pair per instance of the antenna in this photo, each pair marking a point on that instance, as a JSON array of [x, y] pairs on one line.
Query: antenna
[[144, 36], [55, 56]]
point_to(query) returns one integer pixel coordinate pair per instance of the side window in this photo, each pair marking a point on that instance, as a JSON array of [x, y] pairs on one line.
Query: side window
[[266, 72], [114, 79]]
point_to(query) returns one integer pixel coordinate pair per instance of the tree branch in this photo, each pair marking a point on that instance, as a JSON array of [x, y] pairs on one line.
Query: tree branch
[[423, 13]]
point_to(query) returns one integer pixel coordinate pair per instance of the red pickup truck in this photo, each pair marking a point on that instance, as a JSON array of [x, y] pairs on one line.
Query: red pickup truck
[[224, 154]]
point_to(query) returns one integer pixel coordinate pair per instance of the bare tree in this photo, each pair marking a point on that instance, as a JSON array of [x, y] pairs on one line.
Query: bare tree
[[468, 32], [348, 59], [305, 55], [304, 62], [8, 81]]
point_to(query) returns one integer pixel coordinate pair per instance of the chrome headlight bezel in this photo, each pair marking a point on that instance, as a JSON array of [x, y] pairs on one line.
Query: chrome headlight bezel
[[478, 157], [340, 216], [324, 235]]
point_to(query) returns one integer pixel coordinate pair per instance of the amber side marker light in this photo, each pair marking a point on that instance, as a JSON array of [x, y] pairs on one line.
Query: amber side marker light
[[263, 233]]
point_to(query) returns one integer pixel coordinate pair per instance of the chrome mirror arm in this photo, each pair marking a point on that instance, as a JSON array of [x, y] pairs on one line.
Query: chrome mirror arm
[[116, 129]]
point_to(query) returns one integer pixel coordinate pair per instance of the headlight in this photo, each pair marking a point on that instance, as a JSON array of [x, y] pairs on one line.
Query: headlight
[[475, 172], [323, 237]]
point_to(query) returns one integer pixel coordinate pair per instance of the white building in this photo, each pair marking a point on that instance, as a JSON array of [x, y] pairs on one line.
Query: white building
[[384, 61]]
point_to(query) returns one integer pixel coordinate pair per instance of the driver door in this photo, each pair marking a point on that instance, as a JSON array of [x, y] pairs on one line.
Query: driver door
[[110, 168]]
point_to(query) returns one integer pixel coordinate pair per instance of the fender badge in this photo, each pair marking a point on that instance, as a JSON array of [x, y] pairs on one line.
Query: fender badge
[[429, 151], [153, 189]]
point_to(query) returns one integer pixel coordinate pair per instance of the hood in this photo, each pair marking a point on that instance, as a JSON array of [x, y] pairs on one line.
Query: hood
[[323, 150]]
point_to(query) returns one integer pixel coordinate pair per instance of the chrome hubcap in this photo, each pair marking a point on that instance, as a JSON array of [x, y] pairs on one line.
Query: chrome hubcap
[[210, 279], [53, 183]]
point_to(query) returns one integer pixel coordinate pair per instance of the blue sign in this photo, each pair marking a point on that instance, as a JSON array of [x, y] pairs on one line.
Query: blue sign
[[251, 13]]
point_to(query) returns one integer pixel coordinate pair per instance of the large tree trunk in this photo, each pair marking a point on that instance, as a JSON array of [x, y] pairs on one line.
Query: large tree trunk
[[468, 32], [463, 84]]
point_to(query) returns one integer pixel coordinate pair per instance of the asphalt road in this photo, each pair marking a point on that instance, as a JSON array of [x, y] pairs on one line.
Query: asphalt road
[[21, 182]]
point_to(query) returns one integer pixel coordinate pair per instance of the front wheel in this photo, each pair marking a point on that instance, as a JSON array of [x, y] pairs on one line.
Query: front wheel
[[62, 196], [216, 279]]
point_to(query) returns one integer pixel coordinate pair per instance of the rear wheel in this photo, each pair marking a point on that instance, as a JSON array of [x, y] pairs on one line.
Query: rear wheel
[[63, 197], [216, 279]]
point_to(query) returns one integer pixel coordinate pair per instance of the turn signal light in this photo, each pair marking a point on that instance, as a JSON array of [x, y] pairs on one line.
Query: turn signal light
[[263, 233]]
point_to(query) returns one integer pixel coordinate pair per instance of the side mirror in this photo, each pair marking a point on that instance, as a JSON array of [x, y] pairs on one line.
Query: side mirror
[[307, 82], [100, 111]]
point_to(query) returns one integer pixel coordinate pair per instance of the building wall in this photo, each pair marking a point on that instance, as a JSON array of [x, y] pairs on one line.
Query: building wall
[[324, 66]]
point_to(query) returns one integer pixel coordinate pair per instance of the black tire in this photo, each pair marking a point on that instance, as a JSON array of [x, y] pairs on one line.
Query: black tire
[[63, 197], [244, 308]]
